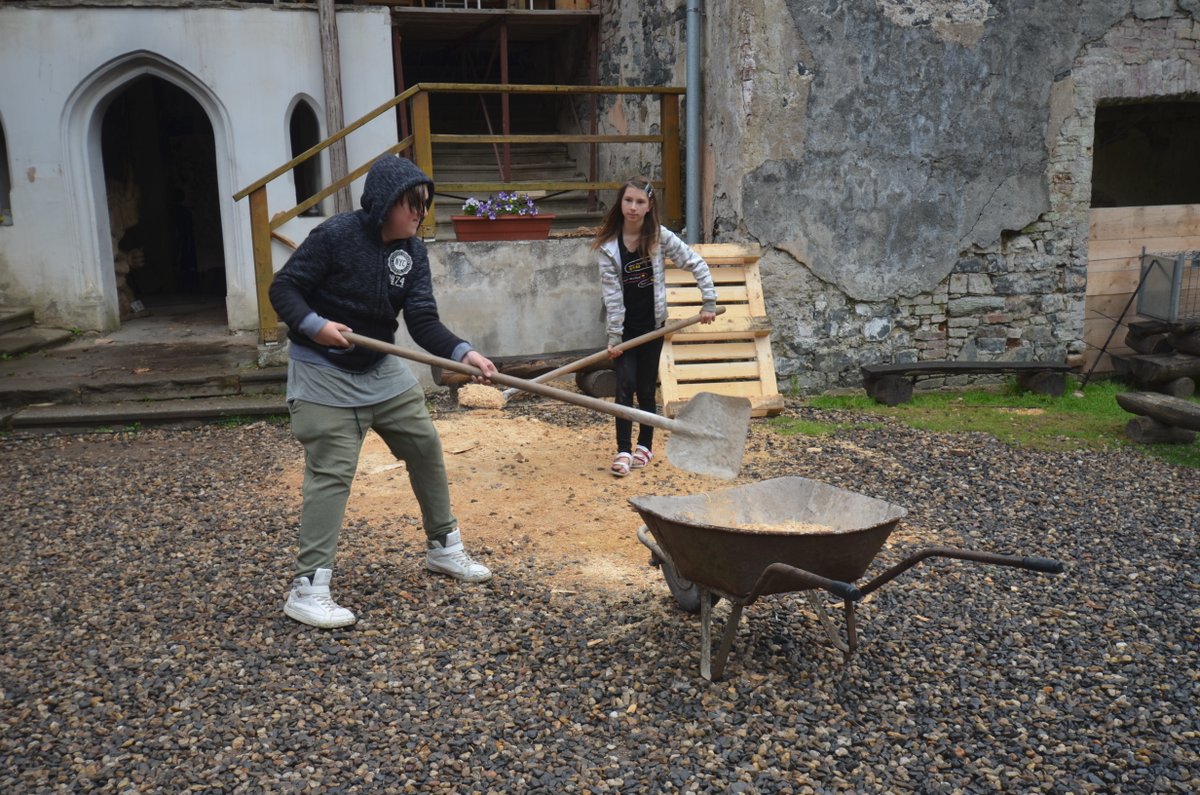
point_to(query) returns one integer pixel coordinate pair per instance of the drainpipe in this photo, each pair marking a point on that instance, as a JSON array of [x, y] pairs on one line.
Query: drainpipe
[[692, 141]]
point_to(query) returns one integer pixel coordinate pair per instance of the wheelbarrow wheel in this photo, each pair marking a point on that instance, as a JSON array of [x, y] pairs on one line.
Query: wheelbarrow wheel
[[686, 592]]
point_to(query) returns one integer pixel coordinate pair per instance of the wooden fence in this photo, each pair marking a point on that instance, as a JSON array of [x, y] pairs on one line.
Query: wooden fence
[[419, 145]]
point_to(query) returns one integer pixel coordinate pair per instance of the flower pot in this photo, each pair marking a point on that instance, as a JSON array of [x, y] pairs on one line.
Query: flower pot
[[504, 227]]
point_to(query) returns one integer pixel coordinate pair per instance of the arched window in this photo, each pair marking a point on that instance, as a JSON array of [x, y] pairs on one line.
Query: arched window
[[305, 134], [5, 182]]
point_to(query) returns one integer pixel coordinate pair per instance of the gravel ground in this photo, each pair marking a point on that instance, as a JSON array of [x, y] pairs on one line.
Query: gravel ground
[[146, 649]]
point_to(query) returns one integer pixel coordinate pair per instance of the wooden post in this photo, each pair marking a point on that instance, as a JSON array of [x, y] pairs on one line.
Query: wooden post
[[398, 76], [334, 120], [593, 111], [505, 122], [264, 271], [423, 155], [669, 127]]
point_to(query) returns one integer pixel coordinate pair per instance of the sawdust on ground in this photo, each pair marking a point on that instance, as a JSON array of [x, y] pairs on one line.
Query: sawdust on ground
[[523, 490]]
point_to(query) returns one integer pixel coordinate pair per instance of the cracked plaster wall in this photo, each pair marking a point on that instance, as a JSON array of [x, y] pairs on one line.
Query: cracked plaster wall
[[918, 173]]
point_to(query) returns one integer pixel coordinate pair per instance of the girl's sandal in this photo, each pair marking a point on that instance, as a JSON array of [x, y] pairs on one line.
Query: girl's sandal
[[620, 465], [641, 457]]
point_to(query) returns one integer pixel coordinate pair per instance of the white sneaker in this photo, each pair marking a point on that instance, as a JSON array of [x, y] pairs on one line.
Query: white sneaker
[[311, 603], [449, 557]]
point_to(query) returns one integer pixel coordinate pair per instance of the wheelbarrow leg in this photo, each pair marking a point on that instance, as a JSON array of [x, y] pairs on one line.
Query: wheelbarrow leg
[[712, 669], [847, 647]]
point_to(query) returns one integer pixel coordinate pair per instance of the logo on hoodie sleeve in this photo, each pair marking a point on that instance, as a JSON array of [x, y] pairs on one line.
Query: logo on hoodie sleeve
[[399, 263]]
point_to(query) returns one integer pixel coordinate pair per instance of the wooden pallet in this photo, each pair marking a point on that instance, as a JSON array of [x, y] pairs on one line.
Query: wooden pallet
[[732, 355]]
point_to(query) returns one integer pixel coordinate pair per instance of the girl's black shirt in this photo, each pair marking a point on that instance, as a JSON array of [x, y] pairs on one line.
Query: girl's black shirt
[[637, 280]]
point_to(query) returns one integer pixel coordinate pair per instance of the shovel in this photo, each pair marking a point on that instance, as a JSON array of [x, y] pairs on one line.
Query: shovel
[[708, 436], [600, 356]]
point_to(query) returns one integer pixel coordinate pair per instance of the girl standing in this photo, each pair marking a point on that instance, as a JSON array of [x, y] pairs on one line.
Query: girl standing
[[631, 246]]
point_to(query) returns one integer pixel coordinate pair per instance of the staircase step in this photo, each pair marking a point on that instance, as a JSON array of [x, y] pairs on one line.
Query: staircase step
[[32, 338], [15, 317]]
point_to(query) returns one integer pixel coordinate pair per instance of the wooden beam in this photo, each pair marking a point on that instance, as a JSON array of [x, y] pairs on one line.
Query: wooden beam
[[671, 163], [331, 73], [264, 271]]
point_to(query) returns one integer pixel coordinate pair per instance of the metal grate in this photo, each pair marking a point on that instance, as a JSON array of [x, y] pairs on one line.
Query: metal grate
[[1170, 287]]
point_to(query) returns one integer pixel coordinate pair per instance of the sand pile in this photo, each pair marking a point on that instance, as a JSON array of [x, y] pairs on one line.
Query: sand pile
[[479, 396]]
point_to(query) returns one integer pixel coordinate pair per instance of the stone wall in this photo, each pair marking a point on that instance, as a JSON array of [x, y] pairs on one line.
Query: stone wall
[[918, 173]]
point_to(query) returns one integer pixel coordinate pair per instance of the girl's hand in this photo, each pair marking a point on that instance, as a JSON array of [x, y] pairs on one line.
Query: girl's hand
[[614, 352], [707, 317], [477, 359]]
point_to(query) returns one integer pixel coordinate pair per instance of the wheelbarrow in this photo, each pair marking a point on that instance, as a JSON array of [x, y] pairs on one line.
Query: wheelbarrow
[[778, 536]]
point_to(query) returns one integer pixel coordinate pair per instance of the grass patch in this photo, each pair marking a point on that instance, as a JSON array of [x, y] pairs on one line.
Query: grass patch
[[1088, 419]]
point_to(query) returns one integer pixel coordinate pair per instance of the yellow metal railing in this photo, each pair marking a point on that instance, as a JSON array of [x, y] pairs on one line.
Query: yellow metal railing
[[414, 103]]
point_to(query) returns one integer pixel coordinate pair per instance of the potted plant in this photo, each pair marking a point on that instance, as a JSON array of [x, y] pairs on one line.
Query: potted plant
[[504, 216]]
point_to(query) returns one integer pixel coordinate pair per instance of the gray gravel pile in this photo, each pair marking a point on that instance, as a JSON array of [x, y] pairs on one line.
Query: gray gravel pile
[[146, 651]]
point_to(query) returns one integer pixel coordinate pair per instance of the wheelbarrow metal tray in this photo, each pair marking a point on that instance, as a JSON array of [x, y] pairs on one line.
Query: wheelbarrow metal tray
[[701, 533]]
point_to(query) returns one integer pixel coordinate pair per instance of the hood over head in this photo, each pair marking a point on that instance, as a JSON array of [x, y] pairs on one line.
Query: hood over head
[[390, 177]]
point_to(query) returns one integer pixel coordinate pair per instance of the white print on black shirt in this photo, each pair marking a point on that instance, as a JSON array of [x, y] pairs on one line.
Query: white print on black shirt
[[399, 264]]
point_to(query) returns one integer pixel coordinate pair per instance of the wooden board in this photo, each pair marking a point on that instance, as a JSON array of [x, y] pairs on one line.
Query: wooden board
[[1132, 247], [732, 355], [1165, 220], [1116, 239]]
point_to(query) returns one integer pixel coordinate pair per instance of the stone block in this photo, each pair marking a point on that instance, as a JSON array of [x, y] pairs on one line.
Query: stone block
[[979, 284], [973, 305]]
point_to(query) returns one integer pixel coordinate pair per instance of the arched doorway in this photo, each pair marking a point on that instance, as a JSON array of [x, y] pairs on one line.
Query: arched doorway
[[159, 164]]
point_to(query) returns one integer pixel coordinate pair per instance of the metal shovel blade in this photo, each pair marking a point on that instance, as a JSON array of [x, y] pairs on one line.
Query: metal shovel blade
[[709, 435]]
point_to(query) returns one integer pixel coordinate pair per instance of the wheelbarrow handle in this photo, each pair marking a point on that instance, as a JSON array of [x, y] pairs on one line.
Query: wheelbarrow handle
[[1044, 565], [782, 573]]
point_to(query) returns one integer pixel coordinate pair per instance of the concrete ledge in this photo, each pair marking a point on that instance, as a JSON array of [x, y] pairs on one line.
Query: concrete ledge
[[146, 412], [32, 338]]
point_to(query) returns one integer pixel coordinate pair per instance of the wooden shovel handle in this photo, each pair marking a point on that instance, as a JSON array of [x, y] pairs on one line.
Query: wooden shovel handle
[[600, 356], [596, 404]]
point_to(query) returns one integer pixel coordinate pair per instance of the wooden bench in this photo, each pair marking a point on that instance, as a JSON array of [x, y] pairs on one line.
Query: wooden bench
[[1162, 418], [892, 384]]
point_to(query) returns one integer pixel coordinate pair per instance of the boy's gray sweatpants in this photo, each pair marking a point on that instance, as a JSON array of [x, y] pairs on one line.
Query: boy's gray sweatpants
[[332, 439]]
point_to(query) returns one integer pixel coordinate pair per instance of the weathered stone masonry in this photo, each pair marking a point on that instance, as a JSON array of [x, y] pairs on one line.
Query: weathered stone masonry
[[918, 173]]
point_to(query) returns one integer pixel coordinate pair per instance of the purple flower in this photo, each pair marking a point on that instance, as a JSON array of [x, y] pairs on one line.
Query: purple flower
[[503, 203]]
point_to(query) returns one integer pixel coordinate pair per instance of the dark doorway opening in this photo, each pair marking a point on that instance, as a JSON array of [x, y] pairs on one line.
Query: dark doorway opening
[[5, 182], [1146, 154], [305, 133], [165, 219]]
